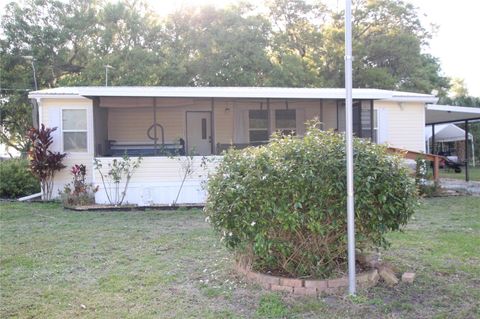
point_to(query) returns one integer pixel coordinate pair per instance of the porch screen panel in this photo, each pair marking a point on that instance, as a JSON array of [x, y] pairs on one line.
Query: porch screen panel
[[356, 112], [366, 119], [74, 130], [361, 119], [258, 125], [286, 121]]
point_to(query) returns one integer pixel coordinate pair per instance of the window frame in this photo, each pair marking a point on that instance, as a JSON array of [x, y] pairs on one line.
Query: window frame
[[62, 130]]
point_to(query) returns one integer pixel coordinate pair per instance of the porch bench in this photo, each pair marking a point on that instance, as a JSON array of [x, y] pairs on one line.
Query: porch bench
[[145, 149]]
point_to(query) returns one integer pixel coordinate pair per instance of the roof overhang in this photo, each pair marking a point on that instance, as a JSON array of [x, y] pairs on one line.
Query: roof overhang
[[232, 92], [439, 114]]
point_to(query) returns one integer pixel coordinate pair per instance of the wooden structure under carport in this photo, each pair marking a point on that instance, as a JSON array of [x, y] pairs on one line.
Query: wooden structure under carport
[[415, 155]]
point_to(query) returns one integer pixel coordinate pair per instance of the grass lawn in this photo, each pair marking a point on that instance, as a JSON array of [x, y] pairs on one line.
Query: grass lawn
[[63, 264], [474, 173]]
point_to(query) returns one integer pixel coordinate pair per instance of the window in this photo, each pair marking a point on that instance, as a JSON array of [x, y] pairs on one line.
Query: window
[[286, 121], [74, 130], [258, 126]]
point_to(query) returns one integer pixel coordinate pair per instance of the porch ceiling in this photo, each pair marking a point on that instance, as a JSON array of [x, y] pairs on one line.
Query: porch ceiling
[[438, 114]]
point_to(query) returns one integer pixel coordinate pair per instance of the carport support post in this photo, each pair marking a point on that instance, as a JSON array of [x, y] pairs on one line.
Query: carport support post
[[467, 177], [432, 149]]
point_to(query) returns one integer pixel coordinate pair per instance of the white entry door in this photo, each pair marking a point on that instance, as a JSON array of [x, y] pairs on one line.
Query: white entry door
[[199, 133]]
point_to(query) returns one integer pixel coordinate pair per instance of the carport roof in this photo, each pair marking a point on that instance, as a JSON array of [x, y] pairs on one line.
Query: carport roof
[[439, 114]]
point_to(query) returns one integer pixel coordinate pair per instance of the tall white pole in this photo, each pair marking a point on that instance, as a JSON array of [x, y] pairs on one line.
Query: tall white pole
[[349, 148], [34, 75], [107, 66]]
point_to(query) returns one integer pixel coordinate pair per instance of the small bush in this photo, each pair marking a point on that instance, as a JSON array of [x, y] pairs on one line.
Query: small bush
[[283, 205], [78, 192], [16, 180]]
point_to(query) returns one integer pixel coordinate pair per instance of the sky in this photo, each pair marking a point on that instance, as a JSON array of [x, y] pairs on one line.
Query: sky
[[456, 42]]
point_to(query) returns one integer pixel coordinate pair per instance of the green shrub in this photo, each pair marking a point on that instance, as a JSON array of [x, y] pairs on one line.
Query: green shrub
[[283, 205], [16, 180]]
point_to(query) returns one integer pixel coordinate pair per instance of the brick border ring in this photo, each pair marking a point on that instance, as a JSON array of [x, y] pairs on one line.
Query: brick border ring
[[306, 287]]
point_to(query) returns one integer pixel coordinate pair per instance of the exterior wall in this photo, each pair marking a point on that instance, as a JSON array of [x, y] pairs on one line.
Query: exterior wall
[[158, 180], [100, 117], [329, 118], [51, 117], [403, 123], [223, 121]]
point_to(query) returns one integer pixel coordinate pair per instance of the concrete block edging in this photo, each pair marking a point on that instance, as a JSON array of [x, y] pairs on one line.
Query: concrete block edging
[[307, 287]]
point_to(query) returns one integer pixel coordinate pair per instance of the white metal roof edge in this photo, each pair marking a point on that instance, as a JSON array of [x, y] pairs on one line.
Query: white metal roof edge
[[55, 96], [235, 92], [232, 92], [424, 99]]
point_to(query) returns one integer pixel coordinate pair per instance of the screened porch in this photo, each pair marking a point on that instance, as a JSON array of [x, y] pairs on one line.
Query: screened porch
[[151, 126]]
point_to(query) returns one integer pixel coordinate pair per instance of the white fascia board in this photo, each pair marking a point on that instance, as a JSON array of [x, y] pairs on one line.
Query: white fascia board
[[421, 99], [55, 96]]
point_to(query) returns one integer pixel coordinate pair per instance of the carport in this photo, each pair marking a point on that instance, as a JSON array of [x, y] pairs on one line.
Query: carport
[[443, 114], [445, 133]]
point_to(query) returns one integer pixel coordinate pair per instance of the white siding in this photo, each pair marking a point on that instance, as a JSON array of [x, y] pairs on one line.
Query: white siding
[[158, 180], [406, 124], [51, 117]]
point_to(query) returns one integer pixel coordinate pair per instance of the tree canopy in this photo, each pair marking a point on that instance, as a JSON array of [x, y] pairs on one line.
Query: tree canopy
[[284, 43]]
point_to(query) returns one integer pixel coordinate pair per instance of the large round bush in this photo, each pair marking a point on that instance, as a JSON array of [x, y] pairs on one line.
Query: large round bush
[[283, 205], [16, 179]]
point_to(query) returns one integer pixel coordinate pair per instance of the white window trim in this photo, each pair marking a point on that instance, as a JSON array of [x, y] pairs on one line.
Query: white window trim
[[73, 131]]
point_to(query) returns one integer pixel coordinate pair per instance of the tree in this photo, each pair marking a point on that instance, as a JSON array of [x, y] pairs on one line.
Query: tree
[[288, 43], [296, 42], [218, 47], [57, 36], [389, 41], [15, 121]]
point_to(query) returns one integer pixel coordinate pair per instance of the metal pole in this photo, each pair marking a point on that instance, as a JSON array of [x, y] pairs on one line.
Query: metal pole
[[467, 177], [107, 66], [32, 61], [34, 76], [349, 148]]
